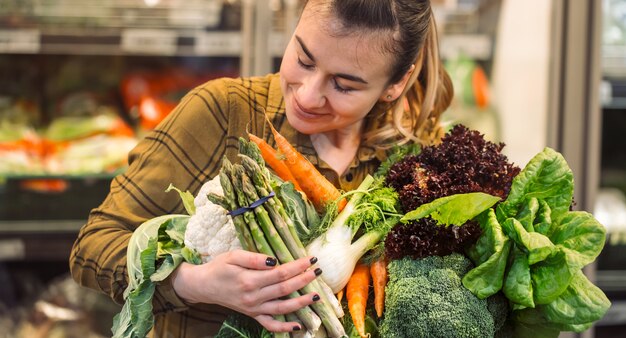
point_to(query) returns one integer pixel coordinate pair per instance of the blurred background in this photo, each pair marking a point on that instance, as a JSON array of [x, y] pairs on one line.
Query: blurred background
[[82, 80]]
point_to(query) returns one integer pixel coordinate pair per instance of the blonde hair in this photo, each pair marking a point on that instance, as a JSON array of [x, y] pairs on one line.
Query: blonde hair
[[415, 115]]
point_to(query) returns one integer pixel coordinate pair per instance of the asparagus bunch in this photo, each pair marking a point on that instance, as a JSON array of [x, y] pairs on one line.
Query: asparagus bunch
[[268, 229]]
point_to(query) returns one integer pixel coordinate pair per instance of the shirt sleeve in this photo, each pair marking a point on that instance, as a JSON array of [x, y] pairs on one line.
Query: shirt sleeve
[[185, 150]]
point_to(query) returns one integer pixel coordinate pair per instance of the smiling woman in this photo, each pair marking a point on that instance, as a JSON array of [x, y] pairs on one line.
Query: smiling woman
[[358, 76]]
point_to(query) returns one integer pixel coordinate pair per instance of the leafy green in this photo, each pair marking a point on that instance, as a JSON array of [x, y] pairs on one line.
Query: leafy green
[[238, 325], [490, 255], [186, 197], [549, 245], [580, 236], [546, 177], [155, 249], [581, 303], [453, 209], [517, 284]]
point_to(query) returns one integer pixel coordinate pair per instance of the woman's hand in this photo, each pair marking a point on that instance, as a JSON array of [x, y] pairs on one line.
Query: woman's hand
[[249, 283]]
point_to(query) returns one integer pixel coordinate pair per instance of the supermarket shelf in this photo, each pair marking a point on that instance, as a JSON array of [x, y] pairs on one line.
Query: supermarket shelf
[[131, 41], [615, 103], [37, 240], [614, 60], [8, 228]]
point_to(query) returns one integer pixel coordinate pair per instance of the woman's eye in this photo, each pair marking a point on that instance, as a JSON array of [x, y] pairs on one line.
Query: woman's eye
[[304, 65], [340, 88]]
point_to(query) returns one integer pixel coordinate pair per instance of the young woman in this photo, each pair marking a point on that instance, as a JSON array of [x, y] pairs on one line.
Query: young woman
[[357, 77]]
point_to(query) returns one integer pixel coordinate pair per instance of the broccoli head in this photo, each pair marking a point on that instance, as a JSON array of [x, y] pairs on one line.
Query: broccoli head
[[425, 298]]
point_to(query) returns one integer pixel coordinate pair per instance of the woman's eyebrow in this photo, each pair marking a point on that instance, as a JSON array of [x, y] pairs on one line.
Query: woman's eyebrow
[[304, 49], [351, 77], [341, 75]]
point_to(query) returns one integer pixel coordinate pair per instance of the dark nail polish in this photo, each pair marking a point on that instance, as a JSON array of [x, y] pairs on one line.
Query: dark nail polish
[[316, 298], [318, 271], [297, 328], [313, 260], [270, 261]]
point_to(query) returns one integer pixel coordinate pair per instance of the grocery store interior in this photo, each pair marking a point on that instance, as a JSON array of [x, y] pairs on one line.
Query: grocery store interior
[[81, 81]]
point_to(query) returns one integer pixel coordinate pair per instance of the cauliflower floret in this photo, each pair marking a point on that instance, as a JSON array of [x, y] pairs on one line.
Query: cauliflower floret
[[210, 230], [212, 186]]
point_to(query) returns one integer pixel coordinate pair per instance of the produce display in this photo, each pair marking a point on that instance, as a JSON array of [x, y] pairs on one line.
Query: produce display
[[70, 145], [448, 240]]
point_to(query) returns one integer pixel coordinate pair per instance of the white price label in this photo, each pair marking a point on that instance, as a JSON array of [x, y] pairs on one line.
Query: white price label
[[218, 43], [12, 249], [150, 41], [20, 41]]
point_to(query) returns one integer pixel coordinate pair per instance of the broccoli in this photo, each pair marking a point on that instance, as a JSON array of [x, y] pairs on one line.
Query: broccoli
[[425, 298]]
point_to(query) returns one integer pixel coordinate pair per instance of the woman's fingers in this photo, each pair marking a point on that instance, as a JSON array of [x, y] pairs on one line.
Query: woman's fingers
[[289, 305], [286, 287], [250, 260], [286, 271], [261, 285], [274, 325]]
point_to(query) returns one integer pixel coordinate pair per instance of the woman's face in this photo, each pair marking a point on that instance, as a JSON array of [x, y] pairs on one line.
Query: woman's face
[[331, 81]]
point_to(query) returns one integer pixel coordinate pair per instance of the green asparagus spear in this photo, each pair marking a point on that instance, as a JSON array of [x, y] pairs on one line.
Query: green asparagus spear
[[323, 308], [282, 221], [305, 314], [243, 233], [286, 228], [219, 200]]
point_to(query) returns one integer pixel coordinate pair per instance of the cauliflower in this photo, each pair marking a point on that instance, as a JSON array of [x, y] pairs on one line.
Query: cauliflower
[[210, 230]]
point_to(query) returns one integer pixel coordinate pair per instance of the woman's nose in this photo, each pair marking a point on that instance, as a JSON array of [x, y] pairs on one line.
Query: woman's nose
[[310, 93]]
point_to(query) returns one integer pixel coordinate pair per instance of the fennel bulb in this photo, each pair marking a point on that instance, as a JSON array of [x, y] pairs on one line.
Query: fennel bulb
[[336, 254]]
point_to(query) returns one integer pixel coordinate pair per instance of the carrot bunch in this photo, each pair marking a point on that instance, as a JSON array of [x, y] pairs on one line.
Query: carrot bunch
[[290, 165], [357, 291]]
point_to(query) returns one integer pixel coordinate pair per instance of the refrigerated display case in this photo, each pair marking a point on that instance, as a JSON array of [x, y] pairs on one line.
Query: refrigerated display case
[[611, 202], [81, 82]]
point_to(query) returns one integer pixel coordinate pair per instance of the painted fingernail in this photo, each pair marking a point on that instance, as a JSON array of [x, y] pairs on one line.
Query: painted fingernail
[[316, 298], [270, 261], [297, 328], [313, 260], [318, 271]]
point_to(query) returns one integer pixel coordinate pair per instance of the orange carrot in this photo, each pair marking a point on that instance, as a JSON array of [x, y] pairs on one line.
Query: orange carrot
[[357, 291], [316, 187], [378, 269], [271, 158]]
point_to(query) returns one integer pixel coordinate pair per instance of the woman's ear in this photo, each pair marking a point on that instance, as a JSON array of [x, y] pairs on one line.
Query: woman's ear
[[394, 90]]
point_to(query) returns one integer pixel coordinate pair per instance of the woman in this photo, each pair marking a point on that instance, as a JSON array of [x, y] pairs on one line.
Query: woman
[[356, 78]]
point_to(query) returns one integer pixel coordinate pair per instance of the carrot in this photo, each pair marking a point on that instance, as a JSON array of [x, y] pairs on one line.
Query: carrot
[[480, 86], [357, 291], [378, 269], [316, 187], [271, 158]]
